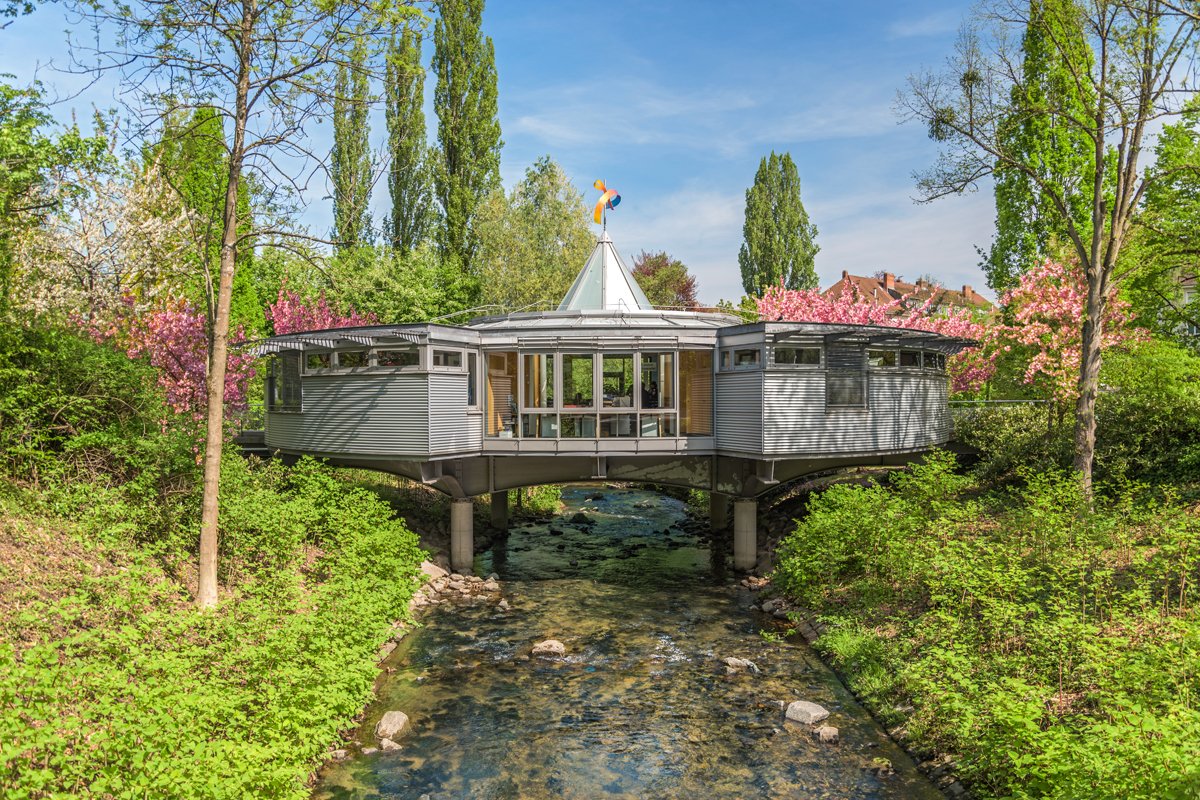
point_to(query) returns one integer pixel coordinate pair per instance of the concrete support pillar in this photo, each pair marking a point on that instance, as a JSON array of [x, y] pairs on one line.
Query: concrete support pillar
[[718, 510], [462, 535], [745, 534], [500, 511]]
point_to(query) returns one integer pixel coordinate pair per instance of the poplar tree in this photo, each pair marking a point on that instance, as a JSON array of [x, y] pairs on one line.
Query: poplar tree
[[778, 237], [408, 172], [351, 165], [1039, 132], [468, 130]]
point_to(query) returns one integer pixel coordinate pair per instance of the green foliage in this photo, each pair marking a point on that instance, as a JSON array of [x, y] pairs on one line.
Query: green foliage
[[410, 173], [121, 689], [537, 501], [192, 156], [534, 241], [397, 287], [351, 164], [779, 241], [1038, 133], [465, 99], [1044, 640]]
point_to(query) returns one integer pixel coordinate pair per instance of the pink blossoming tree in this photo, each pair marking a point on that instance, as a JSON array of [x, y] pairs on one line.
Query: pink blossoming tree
[[290, 313]]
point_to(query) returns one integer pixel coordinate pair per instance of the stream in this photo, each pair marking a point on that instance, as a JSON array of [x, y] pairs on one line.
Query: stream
[[641, 707]]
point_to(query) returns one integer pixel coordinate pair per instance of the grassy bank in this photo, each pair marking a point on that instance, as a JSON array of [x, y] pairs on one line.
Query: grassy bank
[[111, 684], [1052, 646]]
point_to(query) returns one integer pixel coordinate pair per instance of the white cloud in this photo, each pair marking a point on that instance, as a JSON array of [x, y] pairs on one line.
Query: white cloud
[[935, 24]]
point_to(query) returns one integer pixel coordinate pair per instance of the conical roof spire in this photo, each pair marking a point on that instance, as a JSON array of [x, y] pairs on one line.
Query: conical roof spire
[[605, 284]]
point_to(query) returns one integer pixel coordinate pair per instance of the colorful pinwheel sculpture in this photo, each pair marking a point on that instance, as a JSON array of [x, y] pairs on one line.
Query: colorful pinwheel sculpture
[[608, 199]]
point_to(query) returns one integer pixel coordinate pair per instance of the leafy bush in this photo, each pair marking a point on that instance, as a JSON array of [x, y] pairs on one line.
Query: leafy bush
[[121, 689], [1046, 641]]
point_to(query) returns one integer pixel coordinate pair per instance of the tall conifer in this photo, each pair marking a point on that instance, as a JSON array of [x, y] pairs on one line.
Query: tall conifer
[[778, 237], [351, 163], [1048, 95], [468, 129], [408, 173]]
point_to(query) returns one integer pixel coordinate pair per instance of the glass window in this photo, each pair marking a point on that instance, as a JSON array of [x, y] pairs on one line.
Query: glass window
[[696, 392], [726, 359], [578, 381], [539, 380], [397, 358], [501, 394], [539, 426], [318, 360], [618, 380], [807, 356], [447, 358], [617, 426], [743, 359], [351, 359], [881, 358], [910, 358], [658, 380], [847, 389], [652, 425], [472, 379], [935, 361], [578, 426], [284, 393]]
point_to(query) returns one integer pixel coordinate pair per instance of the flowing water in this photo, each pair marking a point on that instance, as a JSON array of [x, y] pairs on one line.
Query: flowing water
[[641, 707]]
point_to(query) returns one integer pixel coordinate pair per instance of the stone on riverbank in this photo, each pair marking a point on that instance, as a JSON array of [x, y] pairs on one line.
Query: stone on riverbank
[[432, 571], [735, 665], [551, 648], [581, 518], [388, 744], [805, 713], [826, 734], [392, 725]]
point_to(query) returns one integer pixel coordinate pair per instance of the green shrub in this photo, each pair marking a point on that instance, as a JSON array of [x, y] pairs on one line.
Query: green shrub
[[1047, 641], [126, 691]]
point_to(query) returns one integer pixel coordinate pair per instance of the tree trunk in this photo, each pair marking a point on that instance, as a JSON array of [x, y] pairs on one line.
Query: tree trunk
[[206, 594], [1089, 384]]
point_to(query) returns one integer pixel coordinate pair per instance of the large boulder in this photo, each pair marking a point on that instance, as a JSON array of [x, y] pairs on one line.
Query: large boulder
[[806, 713], [551, 648], [432, 571], [392, 725]]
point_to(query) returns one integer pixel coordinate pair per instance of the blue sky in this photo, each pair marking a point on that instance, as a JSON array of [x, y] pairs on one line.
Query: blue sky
[[675, 103]]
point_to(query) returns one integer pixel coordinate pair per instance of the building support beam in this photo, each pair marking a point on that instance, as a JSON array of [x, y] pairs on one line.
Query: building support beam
[[745, 534], [500, 511], [462, 535], [718, 511]]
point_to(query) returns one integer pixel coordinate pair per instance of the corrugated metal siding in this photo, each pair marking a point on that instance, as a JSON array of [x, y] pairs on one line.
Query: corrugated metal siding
[[739, 412], [369, 414], [448, 429], [906, 411]]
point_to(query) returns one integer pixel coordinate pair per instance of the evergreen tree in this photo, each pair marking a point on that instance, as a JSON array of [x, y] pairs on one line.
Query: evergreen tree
[[352, 164], [468, 130], [778, 238], [1038, 129], [408, 173], [192, 157]]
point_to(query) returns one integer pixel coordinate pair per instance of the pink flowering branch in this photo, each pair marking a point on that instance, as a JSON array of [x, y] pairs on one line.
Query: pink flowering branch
[[290, 313]]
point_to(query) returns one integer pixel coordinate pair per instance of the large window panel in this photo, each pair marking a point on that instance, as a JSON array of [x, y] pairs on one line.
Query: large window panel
[[501, 394], [696, 393], [579, 380], [618, 380], [658, 380], [539, 380]]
